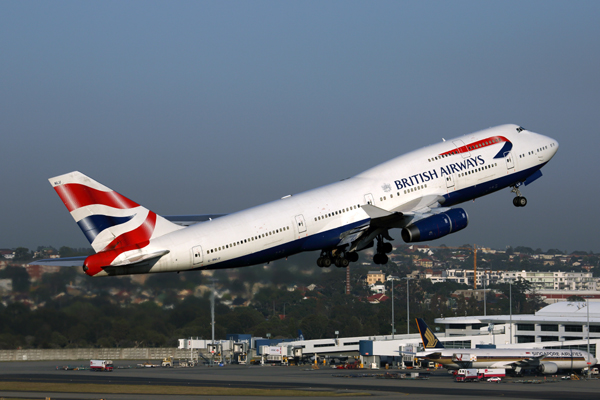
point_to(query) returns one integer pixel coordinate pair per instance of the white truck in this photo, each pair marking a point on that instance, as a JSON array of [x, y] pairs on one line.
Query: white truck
[[101, 365], [474, 374]]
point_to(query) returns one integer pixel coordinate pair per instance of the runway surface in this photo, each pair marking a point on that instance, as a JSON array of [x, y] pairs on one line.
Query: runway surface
[[439, 385]]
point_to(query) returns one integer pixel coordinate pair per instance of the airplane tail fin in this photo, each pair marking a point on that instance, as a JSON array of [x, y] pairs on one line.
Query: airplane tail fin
[[430, 341], [108, 219], [300, 335]]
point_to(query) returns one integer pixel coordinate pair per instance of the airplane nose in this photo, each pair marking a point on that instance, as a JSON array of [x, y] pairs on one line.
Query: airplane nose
[[553, 147]]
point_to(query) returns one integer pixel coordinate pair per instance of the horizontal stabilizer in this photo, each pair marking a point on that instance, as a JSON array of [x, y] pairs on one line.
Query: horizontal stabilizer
[[61, 262], [187, 220]]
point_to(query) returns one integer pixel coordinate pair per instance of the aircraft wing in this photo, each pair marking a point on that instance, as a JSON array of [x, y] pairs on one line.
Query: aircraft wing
[[187, 220], [402, 216], [428, 354], [530, 362]]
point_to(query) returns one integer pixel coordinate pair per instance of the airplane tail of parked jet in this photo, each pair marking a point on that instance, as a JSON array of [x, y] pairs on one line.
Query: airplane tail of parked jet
[[430, 341], [112, 223]]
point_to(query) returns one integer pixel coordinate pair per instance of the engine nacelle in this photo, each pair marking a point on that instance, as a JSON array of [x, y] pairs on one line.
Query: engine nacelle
[[436, 226], [548, 368]]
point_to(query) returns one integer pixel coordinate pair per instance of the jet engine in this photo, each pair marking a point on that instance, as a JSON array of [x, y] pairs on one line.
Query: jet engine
[[548, 368], [436, 226]]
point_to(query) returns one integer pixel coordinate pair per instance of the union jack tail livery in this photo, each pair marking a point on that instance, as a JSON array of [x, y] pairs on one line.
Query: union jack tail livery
[[114, 225]]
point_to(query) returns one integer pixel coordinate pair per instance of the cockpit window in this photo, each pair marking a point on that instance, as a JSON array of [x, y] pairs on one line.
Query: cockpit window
[[521, 129]]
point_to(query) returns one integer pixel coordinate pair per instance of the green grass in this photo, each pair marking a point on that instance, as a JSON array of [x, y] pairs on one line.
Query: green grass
[[167, 390]]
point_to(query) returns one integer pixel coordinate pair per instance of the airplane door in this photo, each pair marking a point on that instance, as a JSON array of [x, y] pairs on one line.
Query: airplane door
[[460, 146], [510, 164], [300, 223], [196, 255], [369, 199], [449, 182]]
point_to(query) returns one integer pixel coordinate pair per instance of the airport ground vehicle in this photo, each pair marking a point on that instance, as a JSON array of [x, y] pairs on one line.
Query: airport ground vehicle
[[474, 374], [495, 379], [101, 365]]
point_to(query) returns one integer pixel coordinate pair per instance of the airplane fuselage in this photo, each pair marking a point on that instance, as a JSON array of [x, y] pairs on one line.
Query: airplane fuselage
[[564, 359], [413, 192], [452, 172]]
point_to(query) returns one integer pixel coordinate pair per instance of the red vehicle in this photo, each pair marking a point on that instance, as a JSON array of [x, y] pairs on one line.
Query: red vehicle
[[101, 365], [473, 374]]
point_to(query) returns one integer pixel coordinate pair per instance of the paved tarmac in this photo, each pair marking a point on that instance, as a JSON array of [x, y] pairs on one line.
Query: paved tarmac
[[440, 384]]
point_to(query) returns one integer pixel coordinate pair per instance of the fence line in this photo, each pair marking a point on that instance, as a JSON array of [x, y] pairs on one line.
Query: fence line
[[92, 354]]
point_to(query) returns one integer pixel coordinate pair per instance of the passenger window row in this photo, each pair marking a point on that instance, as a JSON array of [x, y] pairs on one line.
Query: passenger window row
[[478, 170], [452, 153], [248, 240], [334, 213], [530, 153], [414, 189]]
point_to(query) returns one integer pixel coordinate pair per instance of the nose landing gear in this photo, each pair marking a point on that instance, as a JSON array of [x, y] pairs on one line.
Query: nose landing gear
[[518, 201]]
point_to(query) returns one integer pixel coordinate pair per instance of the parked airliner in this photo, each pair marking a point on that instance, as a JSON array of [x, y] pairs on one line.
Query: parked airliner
[[413, 192], [545, 361]]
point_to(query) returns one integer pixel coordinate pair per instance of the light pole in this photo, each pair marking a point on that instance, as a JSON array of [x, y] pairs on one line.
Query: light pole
[[510, 305], [407, 306], [587, 306], [484, 299], [393, 318]]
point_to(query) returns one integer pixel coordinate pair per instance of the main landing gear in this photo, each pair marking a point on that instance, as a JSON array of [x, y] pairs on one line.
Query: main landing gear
[[382, 249], [518, 201], [337, 257]]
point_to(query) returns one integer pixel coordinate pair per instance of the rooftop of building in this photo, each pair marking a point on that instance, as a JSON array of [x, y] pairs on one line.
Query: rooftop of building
[[564, 311]]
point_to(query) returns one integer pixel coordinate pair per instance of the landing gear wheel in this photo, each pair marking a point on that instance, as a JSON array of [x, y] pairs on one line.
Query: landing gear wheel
[[326, 263], [520, 201], [376, 258], [341, 262], [387, 247], [320, 262]]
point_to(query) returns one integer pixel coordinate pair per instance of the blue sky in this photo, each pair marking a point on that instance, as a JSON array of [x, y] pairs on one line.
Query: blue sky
[[202, 107]]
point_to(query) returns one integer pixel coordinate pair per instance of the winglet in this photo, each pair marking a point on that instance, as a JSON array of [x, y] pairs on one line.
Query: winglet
[[430, 341]]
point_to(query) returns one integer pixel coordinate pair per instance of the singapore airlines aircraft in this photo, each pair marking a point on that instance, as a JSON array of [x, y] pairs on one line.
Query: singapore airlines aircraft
[[413, 192], [546, 361]]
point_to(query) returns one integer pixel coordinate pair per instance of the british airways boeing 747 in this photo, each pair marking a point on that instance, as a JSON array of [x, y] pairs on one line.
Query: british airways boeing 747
[[414, 192]]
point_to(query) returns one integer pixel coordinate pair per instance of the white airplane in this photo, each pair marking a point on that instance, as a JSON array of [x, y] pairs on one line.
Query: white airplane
[[413, 192], [545, 361]]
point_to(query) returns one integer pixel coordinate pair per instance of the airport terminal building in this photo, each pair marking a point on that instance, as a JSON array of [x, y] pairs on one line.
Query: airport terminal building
[[559, 325], [563, 325]]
